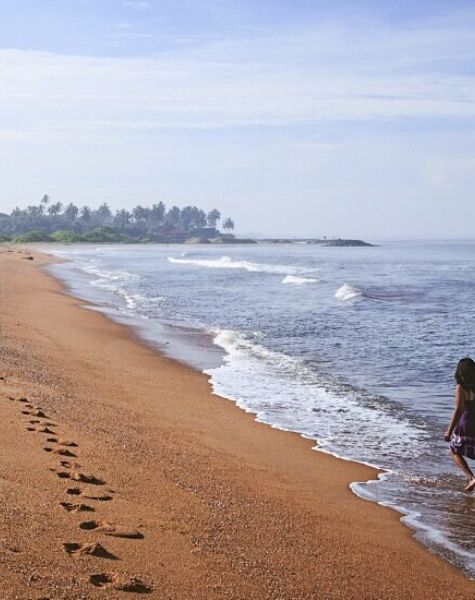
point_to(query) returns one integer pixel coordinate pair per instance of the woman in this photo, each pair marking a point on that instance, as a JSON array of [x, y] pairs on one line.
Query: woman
[[462, 425]]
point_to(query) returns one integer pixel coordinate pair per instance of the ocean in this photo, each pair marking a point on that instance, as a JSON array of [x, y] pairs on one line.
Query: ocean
[[352, 347]]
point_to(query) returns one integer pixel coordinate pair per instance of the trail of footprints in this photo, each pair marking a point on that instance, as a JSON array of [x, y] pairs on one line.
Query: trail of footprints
[[66, 451]]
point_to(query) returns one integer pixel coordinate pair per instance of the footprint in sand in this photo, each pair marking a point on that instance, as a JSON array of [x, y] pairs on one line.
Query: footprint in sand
[[90, 525], [91, 549], [81, 477], [69, 465], [73, 508], [112, 530], [76, 491], [117, 581], [39, 413], [59, 451], [100, 498], [64, 452], [67, 443], [86, 478]]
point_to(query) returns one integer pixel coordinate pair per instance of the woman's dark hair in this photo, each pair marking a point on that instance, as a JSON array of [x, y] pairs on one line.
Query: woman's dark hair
[[465, 374]]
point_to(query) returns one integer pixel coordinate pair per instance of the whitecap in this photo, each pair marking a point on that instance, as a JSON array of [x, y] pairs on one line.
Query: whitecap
[[225, 262], [291, 395], [295, 280], [349, 292]]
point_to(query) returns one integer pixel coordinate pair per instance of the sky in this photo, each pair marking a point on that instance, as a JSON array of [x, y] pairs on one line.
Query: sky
[[294, 117]]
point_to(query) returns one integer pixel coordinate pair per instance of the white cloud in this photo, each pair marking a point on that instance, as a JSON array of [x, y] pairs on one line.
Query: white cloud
[[140, 4], [244, 122], [313, 78]]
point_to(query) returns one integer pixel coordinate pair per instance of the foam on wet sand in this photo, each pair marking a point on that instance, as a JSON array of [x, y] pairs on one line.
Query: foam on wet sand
[[220, 506]]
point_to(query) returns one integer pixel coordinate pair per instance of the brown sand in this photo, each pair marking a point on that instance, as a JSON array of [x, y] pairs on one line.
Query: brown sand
[[173, 492]]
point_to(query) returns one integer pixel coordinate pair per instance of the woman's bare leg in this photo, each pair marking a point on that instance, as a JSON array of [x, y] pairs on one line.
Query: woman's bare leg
[[462, 464]]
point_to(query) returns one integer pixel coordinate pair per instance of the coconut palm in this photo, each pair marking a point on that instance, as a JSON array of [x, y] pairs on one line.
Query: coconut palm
[[55, 209], [71, 212], [213, 217], [228, 224], [122, 218]]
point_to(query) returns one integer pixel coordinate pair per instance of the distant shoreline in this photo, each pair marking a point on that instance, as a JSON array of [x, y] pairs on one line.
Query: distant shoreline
[[337, 242], [217, 241], [52, 222]]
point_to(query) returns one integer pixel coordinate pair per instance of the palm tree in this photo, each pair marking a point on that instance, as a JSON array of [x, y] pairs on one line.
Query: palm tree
[[43, 202], [213, 217], [122, 218], [86, 214], [139, 214], [16, 213], [55, 209], [228, 224], [157, 213], [201, 218], [32, 218], [104, 214], [71, 212], [157, 220], [173, 218], [188, 217], [33, 211]]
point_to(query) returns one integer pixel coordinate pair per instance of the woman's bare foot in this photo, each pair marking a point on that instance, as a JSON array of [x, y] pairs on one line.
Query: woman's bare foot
[[471, 485]]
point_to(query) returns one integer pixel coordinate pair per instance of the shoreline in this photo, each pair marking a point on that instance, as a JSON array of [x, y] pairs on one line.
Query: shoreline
[[133, 326], [169, 340], [229, 515], [158, 341]]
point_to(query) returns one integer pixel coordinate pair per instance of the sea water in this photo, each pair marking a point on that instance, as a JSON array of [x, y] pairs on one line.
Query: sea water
[[353, 347]]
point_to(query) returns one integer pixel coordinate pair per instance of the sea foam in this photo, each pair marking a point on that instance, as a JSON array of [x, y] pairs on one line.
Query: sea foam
[[226, 262], [292, 373], [283, 391], [349, 292], [295, 280]]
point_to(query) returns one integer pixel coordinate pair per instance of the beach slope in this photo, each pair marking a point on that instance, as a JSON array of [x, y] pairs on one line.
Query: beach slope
[[122, 474]]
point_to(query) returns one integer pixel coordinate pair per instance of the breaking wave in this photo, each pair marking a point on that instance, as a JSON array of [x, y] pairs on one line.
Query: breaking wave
[[295, 280], [226, 262], [283, 391], [349, 292]]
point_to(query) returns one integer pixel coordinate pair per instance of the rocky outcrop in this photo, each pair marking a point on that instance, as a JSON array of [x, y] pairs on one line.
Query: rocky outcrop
[[319, 242]]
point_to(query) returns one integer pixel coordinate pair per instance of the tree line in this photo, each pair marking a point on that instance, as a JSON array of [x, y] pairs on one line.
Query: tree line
[[56, 221]]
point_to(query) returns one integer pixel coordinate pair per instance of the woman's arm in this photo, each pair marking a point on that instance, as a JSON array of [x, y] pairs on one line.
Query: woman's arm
[[457, 412]]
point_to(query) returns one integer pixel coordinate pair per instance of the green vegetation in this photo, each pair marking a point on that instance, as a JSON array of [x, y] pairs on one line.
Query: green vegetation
[[32, 236], [65, 236], [52, 222]]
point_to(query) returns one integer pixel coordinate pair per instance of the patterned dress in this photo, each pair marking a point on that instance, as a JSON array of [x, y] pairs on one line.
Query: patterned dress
[[463, 440]]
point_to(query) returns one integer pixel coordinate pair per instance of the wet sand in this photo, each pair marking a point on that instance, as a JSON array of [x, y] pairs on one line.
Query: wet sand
[[122, 474]]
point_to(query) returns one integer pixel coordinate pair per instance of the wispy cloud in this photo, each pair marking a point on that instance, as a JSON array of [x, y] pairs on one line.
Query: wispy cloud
[[281, 116], [140, 4], [316, 77]]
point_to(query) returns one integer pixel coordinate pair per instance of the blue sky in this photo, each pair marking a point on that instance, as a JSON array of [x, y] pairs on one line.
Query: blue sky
[[295, 118]]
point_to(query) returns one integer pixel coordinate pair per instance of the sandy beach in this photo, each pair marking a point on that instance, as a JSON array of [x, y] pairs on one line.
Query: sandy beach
[[122, 474]]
